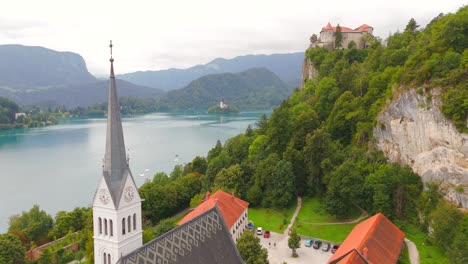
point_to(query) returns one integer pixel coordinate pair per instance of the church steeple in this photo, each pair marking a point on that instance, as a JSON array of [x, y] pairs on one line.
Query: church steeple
[[115, 161], [117, 203]]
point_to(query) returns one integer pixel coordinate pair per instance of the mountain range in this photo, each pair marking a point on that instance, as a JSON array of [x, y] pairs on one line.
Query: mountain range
[[40, 76], [45, 77], [286, 66]]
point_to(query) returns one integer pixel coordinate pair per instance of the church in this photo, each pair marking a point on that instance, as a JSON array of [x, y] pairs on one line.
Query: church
[[117, 215]]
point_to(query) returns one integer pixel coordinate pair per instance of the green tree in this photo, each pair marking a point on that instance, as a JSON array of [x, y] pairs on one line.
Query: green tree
[[35, 224], [230, 180], [262, 125], [214, 152], [313, 38], [164, 226], [250, 249], [294, 242], [282, 185], [394, 190], [197, 199], [257, 150], [215, 165], [458, 251], [338, 37], [238, 147], [319, 147], [199, 164], [161, 178], [445, 221], [412, 26], [11, 249], [352, 45]]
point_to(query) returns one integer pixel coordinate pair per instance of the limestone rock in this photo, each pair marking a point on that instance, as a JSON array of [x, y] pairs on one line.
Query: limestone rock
[[411, 130], [308, 71]]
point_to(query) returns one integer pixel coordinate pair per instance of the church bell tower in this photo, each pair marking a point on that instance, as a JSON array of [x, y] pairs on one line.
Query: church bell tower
[[117, 204]]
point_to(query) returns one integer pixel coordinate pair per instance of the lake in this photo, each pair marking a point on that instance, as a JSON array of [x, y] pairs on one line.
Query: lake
[[58, 167]]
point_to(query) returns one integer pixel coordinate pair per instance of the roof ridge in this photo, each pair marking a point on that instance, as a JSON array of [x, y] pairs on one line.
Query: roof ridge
[[371, 229]]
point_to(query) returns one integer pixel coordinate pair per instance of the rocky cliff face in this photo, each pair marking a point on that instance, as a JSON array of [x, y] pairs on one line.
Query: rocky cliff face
[[411, 130], [308, 71]]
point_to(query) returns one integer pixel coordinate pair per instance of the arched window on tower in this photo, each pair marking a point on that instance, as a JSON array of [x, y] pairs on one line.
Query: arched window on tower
[[104, 257], [129, 224], [108, 259], [123, 226], [105, 226], [111, 227], [100, 225], [134, 221]]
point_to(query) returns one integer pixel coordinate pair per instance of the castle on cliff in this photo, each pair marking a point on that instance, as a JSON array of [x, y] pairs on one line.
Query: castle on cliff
[[328, 34]]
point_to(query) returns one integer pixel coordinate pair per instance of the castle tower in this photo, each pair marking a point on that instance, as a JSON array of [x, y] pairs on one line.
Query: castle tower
[[117, 204]]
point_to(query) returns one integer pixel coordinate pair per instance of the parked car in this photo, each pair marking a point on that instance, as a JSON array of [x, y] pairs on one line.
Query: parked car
[[326, 247], [259, 230], [335, 248], [250, 226], [266, 234], [309, 242], [317, 244]]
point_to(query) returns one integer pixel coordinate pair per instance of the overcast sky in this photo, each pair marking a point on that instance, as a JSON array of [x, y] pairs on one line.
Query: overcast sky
[[155, 34]]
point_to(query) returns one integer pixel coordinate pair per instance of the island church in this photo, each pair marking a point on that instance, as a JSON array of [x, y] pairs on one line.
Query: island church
[[117, 216]]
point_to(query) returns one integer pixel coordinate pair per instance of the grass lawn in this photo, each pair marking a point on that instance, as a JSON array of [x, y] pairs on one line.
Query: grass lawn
[[271, 219], [429, 254], [313, 211], [333, 233]]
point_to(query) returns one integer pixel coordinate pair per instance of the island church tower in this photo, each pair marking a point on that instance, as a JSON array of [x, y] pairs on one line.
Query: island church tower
[[117, 204]]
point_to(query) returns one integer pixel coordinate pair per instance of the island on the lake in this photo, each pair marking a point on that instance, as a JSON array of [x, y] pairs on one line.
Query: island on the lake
[[223, 108]]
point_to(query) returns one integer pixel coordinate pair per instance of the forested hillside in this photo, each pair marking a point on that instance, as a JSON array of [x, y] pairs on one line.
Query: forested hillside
[[320, 140], [256, 88]]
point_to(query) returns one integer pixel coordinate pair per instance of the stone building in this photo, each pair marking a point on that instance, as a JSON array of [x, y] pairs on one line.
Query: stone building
[[328, 34]]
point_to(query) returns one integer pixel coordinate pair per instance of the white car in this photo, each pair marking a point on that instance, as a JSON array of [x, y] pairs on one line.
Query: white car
[[259, 230]]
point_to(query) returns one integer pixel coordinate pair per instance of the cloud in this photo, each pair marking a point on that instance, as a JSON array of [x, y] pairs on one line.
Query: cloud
[[17, 28]]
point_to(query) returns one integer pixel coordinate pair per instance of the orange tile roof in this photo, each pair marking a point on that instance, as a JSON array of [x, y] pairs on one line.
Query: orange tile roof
[[362, 28], [231, 207], [377, 239]]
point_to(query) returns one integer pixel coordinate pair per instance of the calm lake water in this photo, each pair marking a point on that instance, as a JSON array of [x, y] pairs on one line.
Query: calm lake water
[[58, 167]]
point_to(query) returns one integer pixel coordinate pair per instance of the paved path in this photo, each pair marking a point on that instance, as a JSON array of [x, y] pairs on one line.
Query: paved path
[[293, 218], [362, 216], [278, 250], [413, 251]]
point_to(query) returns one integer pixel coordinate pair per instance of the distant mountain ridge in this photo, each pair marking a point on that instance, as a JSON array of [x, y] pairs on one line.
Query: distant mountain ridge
[[24, 67], [41, 76], [254, 88], [286, 66]]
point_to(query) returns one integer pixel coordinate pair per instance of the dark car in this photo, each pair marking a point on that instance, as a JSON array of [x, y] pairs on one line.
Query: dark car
[[326, 247], [266, 234], [335, 248], [317, 244]]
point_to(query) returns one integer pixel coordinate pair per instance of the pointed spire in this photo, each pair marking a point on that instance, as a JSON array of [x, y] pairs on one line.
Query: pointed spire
[[115, 161]]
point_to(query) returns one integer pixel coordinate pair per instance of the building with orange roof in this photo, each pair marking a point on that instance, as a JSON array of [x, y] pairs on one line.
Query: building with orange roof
[[328, 33], [233, 210], [375, 240]]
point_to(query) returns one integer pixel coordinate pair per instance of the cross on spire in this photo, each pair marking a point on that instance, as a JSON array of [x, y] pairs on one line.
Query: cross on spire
[[110, 46]]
